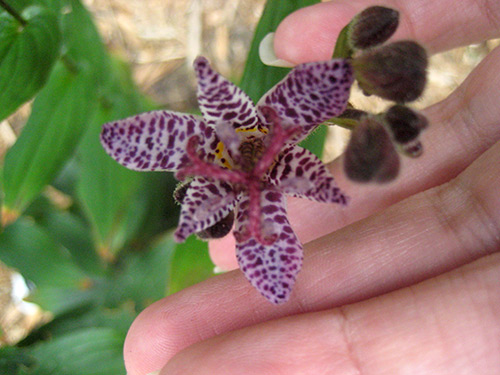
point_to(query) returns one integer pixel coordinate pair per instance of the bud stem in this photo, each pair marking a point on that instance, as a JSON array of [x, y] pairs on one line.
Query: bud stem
[[349, 119], [345, 123]]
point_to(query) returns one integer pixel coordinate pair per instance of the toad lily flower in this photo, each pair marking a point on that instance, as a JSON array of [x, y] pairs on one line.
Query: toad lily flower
[[243, 158]]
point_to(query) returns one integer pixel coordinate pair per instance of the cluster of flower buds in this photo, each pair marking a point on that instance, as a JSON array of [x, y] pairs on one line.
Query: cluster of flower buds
[[393, 71]]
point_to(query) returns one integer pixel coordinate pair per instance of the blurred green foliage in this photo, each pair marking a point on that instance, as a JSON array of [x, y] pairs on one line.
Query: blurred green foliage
[[110, 253]]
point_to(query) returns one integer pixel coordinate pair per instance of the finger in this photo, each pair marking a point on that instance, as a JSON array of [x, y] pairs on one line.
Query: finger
[[462, 127], [222, 253], [310, 33], [447, 325], [418, 238]]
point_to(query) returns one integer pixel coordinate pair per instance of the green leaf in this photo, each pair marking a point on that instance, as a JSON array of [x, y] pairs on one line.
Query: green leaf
[[90, 316], [19, 5], [27, 56], [109, 192], [84, 47], [190, 265], [105, 189], [71, 232], [156, 211], [89, 351], [144, 278], [27, 248], [60, 114], [68, 229], [13, 359], [259, 78], [9, 33]]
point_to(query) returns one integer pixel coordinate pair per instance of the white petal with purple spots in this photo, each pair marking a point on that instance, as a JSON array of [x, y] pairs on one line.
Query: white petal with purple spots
[[221, 100], [300, 173], [311, 94], [272, 268], [156, 141], [206, 203]]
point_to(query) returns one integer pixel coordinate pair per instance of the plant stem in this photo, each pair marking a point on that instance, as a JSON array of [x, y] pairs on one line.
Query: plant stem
[[349, 119], [348, 124], [13, 13]]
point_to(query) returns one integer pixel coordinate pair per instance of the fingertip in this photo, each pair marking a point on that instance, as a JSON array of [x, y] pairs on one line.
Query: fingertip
[[143, 349], [173, 323], [164, 328], [310, 33], [222, 253]]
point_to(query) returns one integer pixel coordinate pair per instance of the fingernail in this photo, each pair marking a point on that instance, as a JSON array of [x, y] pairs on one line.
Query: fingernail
[[154, 373], [267, 55]]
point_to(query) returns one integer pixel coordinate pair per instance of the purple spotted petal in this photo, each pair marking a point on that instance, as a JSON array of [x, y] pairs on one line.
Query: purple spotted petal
[[271, 269], [156, 141], [300, 173], [311, 93], [206, 202], [221, 100]]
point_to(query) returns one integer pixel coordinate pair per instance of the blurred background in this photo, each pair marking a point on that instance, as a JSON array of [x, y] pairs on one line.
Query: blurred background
[[87, 243]]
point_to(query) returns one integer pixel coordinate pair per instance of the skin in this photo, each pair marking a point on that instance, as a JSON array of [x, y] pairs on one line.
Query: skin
[[403, 280]]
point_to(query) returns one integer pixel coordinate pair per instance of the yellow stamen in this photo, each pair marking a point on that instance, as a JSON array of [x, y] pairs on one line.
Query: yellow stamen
[[222, 156]]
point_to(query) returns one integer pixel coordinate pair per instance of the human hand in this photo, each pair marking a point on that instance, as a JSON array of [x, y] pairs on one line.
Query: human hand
[[405, 280]]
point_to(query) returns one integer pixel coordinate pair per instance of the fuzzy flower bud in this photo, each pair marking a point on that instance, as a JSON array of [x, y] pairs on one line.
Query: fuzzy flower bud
[[396, 71], [370, 154], [372, 27], [405, 125]]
